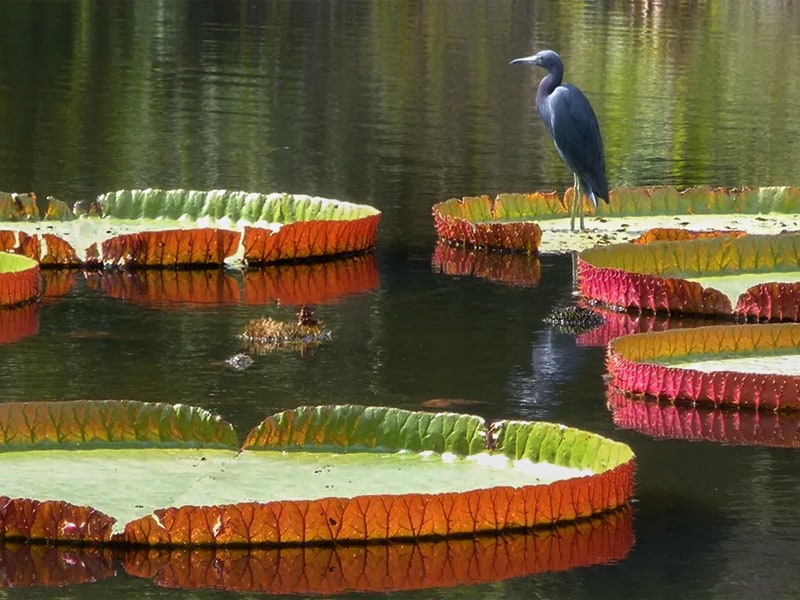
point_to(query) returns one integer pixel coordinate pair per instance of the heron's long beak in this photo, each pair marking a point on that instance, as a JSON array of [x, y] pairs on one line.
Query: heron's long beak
[[524, 59]]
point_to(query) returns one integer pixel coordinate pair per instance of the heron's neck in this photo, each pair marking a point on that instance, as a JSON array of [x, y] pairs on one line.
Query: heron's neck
[[549, 83]]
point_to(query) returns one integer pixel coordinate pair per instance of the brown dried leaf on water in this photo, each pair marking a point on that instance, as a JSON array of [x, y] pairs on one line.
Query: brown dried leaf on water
[[268, 334]]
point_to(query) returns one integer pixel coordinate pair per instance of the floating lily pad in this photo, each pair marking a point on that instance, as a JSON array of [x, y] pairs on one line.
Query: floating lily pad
[[311, 475], [664, 420], [540, 221], [152, 227], [753, 366], [755, 276], [332, 569], [20, 281], [515, 269]]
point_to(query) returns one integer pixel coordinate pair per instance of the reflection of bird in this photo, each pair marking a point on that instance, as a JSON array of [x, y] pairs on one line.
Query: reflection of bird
[[569, 118]]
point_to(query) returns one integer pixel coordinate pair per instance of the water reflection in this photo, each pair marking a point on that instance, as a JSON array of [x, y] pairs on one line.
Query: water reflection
[[376, 568], [505, 267], [291, 284], [18, 323], [694, 423]]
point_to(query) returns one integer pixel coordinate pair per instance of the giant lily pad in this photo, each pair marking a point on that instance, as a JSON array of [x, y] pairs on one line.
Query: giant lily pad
[[754, 366], [155, 227], [20, 281], [540, 221], [755, 276], [332, 569], [663, 420], [310, 475]]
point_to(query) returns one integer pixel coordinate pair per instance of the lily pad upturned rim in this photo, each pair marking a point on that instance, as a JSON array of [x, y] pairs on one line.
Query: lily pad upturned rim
[[329, 520], [179, 228], [631, 364], [20, 280], [653, 277]]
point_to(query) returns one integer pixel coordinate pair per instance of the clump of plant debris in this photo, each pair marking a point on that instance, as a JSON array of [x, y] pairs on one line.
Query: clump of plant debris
[[239, 362], [574, 319], [268, 334]]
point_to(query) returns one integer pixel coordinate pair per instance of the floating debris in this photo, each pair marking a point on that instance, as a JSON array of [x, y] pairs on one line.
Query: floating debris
[[574, 319], [239, 362], [267, 334], [445, 403]]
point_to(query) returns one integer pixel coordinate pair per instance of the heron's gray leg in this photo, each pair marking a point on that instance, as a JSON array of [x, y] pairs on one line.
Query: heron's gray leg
[[576, 204]]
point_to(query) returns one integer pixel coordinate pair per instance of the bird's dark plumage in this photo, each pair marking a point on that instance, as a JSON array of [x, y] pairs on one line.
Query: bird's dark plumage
[[570, 119]]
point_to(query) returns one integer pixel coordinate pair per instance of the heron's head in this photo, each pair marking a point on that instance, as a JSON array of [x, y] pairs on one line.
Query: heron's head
[[547, 59]]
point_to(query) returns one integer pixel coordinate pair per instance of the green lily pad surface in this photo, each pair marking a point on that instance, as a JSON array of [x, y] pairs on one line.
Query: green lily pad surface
[[315, 474]]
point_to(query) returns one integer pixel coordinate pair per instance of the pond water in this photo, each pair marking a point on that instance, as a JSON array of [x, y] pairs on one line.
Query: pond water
[[400, 105]]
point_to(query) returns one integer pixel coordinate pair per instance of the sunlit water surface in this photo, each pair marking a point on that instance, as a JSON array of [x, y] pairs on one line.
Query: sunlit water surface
[[400, 105]]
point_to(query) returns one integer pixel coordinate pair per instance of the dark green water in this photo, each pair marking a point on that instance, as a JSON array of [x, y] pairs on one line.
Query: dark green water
[[400, 105]]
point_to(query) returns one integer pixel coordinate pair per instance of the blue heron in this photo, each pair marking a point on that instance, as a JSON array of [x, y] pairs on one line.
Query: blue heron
[[569, 118]]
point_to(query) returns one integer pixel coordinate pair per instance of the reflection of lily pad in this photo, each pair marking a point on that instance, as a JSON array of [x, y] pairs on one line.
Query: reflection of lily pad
[[507, 267], [159, 287], [696, 423], [756, 366], [26, 565], [303, 476], [311, 283], [18, 322], [617, 323], [754, 276], [185, 227], [20, 281], [376, 568]]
